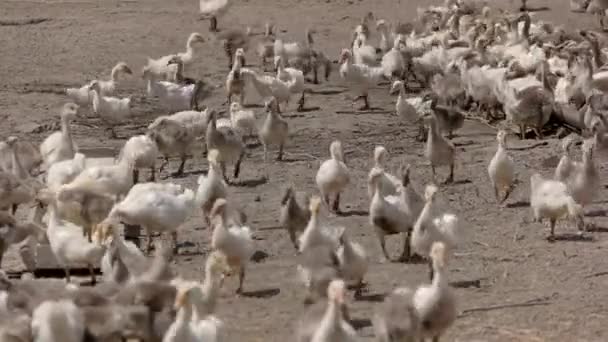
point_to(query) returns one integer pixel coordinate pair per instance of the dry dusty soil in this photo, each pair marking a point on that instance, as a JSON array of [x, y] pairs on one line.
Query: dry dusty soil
[[504, 253]]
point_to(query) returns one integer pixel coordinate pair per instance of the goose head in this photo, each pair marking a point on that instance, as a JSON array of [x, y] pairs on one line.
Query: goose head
[[405, 175], [429, 193], [12, 141], [195, 37], [380, 156], [396, 87], [501, 137], [235, 107], [95, 86], [345, 56], [239, 55], [336, 151], [69, 111], [439, 255], [122, 67]]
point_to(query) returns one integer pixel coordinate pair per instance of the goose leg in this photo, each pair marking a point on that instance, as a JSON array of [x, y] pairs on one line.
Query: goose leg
[[421, 133], [522, 131], [237, 166], [280, 156], [174, 238], [325, 199], [66, 270], [365, 103], [2, 251], [149, 246], [431, 271], [336, 206], [92, 273], [239, 290], [14, 208], [301, 103], [405, 255], [496, 194], [135, 175], [89, 230], [552, 234], [213, 24], [113, 133], [180, 169], [292, 237], [507, 193], [163, 164], [152, 174], [360, 288], [451, 177], [383, 246], [223, 168], [265, 153]]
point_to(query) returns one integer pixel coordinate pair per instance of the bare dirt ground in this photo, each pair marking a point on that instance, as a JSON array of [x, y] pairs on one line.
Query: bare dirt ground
[[504, 251]]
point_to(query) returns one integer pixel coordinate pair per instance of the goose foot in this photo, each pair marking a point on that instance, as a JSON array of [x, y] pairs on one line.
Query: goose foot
[[280, 155], [336, 206]]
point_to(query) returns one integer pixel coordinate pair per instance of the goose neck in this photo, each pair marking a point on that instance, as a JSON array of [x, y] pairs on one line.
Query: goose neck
[[402, 92], [425, 214], [36, 214], [184, 315], [309, 39], [53, 217], [332, 318], [65, 127], [18, 169], [439, 277], [114, 73]]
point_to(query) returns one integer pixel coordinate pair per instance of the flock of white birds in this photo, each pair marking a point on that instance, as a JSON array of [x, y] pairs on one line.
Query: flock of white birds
[[470, 60]]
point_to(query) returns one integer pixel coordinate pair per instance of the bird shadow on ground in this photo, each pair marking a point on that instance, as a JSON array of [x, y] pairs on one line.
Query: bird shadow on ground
[[353, 212], [253, 105], [571, 237], [250, 183], [360, 323], [465, 284], [266, 293], [596, 213], [597, 229], [460, 182], [305, 110], [375, 297], [374, 110], [538, 9], [327, 91], [518, 204]]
